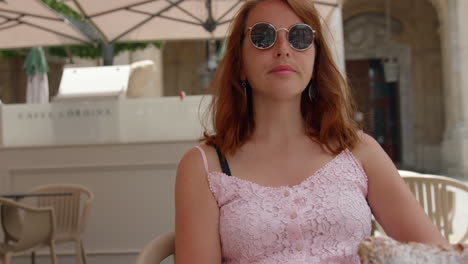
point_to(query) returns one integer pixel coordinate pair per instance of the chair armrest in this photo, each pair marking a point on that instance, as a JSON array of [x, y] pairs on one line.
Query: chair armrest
[[38, 227], [158, 249], [86, 207], [32, 226]]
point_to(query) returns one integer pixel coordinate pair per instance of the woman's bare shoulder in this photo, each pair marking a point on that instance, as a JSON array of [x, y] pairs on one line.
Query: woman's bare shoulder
[[194, 159], [192, 176], [366, 147]]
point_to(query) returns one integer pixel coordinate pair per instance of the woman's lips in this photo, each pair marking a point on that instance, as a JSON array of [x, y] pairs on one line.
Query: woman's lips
[[282, 70]]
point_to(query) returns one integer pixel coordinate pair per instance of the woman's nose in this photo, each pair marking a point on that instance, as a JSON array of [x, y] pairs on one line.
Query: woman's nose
[[282, 47]]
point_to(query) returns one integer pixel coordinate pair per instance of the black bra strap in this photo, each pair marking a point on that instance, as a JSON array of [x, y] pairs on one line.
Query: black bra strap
[[223, 162]]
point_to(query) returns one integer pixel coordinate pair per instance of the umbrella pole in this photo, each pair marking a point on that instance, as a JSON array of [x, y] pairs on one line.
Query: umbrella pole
[[108, 54]]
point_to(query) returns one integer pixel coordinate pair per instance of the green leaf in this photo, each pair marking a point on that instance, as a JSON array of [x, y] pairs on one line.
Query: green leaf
[[63, 9]]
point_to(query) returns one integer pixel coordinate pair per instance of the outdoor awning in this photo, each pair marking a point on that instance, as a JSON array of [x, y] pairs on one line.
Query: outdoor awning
[[28, 23], [144, 20]]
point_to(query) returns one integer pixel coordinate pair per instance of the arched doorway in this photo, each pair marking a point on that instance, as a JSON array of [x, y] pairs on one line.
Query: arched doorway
[[400, 113], [369, 52]]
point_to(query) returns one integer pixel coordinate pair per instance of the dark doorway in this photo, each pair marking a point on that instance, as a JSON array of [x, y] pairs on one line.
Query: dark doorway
[[378, 103]]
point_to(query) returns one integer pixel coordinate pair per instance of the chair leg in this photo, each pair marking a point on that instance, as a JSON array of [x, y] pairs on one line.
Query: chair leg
[[33, 257], [53, 254], [83, 253], [79, 258], [6, 258]]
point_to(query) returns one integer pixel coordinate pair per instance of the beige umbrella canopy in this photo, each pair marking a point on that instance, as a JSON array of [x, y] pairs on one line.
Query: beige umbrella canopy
[[27, 23], [144, 20]]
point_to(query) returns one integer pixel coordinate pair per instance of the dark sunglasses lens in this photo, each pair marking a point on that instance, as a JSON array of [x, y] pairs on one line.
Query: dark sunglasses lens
[[301, 37], [262, 35]]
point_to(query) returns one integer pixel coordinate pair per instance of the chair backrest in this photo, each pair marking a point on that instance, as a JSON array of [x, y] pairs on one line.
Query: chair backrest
[[71, 211], [11, 221], [32, 226], [157, 249], [437, 196]]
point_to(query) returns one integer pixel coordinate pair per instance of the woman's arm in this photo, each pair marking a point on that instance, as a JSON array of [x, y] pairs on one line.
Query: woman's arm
[[392, 202], [197, 233]]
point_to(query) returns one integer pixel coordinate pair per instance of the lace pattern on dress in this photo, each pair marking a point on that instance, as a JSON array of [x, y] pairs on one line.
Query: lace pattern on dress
[[320, 220]]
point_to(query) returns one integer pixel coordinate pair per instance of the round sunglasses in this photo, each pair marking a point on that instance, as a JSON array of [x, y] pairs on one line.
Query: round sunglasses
[[263, 36]]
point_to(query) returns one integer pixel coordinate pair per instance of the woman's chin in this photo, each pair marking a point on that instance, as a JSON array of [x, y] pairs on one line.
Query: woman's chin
[[280, 94]]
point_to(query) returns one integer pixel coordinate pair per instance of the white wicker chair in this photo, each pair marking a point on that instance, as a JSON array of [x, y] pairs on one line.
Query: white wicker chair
[[437, 196], [157, 249], [71, 213], [26, 229]]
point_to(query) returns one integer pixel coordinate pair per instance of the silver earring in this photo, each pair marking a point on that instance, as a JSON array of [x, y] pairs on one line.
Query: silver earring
[[244, 85], [313, 91]]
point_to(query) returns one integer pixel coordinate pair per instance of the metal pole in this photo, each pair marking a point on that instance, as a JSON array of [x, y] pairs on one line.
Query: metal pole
[[108, 54], [209, 24]]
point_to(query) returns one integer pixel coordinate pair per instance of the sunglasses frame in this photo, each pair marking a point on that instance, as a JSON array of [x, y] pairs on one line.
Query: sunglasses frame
[[276, 35]]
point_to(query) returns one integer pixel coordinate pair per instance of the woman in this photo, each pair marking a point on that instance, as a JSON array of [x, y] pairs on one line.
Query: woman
[[286, 176]]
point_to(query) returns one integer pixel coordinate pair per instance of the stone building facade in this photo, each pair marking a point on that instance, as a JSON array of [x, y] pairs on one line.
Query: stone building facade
[[428, 40]]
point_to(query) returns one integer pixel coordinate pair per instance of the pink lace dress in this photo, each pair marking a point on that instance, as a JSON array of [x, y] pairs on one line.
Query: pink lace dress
[[321, 220]]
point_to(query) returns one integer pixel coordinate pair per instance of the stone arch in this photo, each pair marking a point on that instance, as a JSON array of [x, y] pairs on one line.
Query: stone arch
[[440, 10], [439, 7], [397, 14]]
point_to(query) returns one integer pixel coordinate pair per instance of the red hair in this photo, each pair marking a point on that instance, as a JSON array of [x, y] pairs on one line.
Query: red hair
[[328, 120]]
